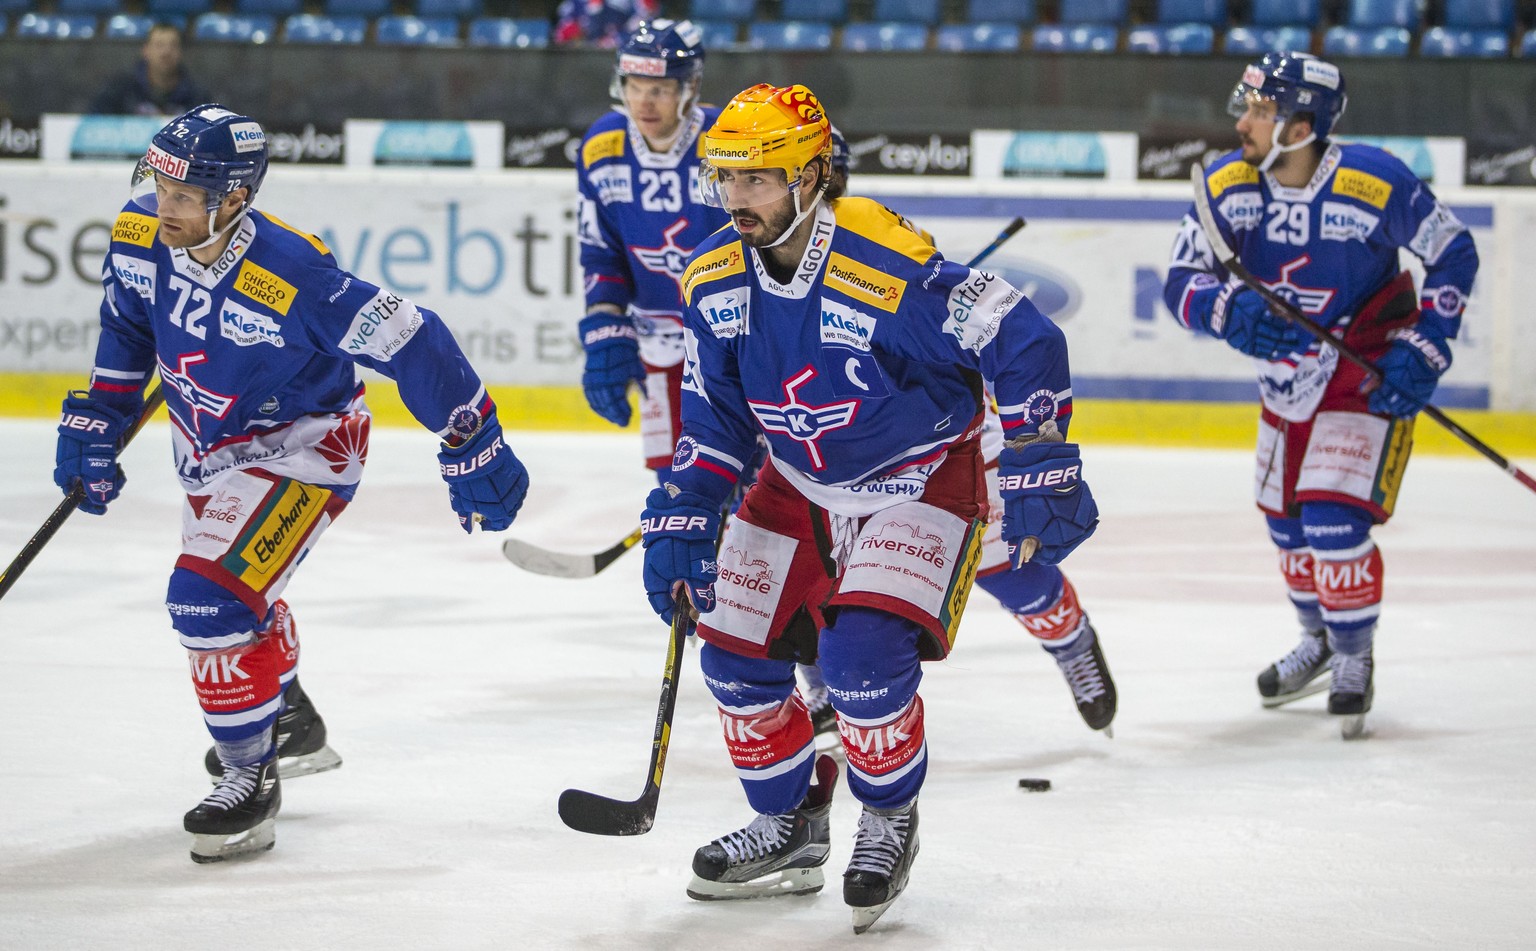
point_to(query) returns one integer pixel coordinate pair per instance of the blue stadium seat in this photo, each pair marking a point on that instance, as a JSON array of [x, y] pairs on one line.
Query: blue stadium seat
[[789, 35], [736, 11], [925, 12], [95, 8], [1285, 13], [1382, 41], [1212, 12], [988, 37], [14, 6], [356, 8], [1000, 11], [177, 9], [416, 31], [819, 11], [884, 37], [273, 8], [125, 26], [56, 26], [1175, 39], [1251, 40], [1528, 44], [1440, 42], [508, 33], [1084, 38], [235, 28], [1480, 14], [1094, 11], [309, 28], [1378, 13], [458, 9], [718, 33]]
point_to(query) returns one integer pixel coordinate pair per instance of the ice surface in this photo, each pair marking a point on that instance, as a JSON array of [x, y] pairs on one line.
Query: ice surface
[[465, 695]]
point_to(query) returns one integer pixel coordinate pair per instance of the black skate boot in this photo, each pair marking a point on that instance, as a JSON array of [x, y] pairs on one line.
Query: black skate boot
[[882, 859], [1088, 675], [1296, 674], [237, 817], [301, 747], [1351, 693], [774, 855]]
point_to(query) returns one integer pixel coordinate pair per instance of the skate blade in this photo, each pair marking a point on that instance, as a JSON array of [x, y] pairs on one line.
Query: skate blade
[[1280, 700], [1352, 726], [789, 881], [218, 848], [322, 760], [863, 918], [1108, 731]]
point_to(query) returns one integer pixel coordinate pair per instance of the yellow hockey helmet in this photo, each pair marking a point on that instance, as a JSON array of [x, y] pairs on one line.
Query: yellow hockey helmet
[[766, 126]]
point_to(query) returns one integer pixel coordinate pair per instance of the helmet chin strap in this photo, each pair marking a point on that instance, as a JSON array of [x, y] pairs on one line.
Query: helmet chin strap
[[1276, 149], [799, 216], [215, 236]]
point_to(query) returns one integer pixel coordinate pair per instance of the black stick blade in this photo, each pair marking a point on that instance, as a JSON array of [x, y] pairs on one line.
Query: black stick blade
[[599, 815]]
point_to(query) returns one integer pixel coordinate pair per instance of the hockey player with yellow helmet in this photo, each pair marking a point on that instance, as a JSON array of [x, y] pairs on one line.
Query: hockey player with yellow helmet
[[861, 355]]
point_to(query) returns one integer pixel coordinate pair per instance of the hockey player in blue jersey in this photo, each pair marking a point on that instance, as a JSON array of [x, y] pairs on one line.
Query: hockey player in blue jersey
[[1322, 224], [639, 218], [256, 334], [834, 330]]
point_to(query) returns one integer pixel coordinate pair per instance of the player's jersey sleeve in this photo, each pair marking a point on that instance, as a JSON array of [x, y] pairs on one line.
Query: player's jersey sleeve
[[1424, 225], [125, 351], [1195, 276], [603, 177]]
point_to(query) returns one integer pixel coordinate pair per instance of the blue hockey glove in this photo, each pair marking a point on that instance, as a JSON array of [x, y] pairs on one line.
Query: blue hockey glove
[[484, 478], [1409, 371], [1045, 498], [613, 362], [89, 434], [1242, 318], [679, 537]]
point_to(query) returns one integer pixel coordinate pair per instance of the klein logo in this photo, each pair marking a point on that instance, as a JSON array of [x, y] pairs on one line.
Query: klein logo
[[801, 421]]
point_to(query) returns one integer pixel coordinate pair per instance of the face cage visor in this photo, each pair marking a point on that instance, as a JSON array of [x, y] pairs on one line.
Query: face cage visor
[[743, 187], [1246, 98], [687, 90], [168, 197]]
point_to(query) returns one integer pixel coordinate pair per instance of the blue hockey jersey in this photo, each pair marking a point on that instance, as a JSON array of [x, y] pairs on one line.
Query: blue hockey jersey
[[640, 216], [1333, 243], [860, 372], [266, 337]]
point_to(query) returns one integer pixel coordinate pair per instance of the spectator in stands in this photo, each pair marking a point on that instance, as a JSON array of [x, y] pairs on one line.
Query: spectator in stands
[[600, 23], [158, 84]]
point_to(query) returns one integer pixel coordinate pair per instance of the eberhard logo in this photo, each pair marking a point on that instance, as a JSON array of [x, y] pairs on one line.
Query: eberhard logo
[[260, 284], [135, 229], [873, 287], [722, 262], [281, 531]]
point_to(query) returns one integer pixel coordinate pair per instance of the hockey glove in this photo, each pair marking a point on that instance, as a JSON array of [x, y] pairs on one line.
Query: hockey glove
[[1045, 497], [613, 362], [484, 478], [1242, 318], [1409, 371], [679, 537], [89, 434]]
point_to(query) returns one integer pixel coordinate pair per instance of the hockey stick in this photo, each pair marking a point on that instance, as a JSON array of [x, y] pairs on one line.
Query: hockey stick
[[1228, 259], [560, 564], [66, 508], [599, 815]]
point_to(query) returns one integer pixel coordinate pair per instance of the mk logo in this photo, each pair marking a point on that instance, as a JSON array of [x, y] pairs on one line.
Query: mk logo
[[217, 668]]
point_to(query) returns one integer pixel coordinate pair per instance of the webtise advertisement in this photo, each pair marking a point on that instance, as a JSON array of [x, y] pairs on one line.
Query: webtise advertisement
[[496, 256]]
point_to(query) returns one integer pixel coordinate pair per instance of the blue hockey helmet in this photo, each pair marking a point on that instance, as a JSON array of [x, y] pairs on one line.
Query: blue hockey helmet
[[661, 49], [209, 147], [1296, 83], [840, 154]]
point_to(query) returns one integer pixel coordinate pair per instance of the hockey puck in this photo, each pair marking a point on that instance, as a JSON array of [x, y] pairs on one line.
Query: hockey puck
[[1035, 785]]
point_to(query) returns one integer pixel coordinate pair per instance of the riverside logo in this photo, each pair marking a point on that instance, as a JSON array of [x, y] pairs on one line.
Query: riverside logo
[[424, 143]]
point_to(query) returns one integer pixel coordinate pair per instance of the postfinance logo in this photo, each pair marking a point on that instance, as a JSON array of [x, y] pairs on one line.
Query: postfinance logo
[[872, 286], [722, 262], [135, 229], [260, 284]]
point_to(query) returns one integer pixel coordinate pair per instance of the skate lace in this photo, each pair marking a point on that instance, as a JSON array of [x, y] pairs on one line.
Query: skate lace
[[1301, 658], [1084, 677], [234, 787], [1351, 672], [879, 842], [761, 836]]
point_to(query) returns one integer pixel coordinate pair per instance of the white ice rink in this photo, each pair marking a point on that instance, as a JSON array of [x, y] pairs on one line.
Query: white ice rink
[[464, 695]]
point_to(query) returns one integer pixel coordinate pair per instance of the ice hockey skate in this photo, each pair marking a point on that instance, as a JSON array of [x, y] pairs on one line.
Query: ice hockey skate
[[882, 859], [1297, 674], [1349, 699], [301, 746], [1082, 664], [775, 854], [237, 818]]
